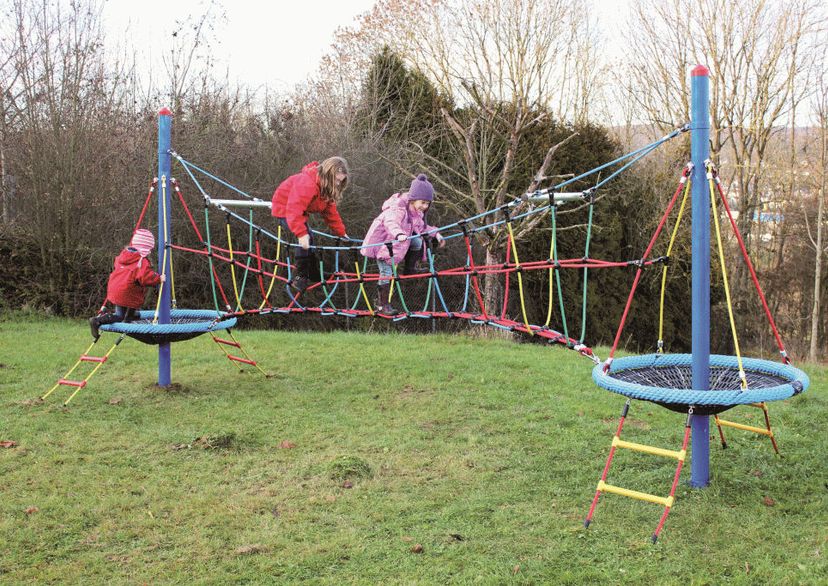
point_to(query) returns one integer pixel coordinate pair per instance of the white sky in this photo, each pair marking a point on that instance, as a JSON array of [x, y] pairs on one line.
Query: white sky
[[274, 43]]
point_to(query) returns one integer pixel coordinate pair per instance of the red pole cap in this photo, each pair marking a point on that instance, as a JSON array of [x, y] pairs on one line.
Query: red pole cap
[[165, 111], [700, 70]]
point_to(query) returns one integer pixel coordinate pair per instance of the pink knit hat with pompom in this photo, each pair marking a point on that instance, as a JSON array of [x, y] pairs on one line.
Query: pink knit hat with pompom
[[143, 241]]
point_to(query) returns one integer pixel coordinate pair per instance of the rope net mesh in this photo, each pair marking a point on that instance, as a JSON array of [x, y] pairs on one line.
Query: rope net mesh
[[174, 320], [681, 377]]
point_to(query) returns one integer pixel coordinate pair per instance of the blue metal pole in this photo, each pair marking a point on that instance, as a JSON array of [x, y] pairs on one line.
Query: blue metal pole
[[164, 164], [700, 152]]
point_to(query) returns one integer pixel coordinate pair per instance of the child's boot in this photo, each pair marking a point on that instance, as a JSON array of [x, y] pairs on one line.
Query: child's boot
[[383, 304], [412, 257], [101, 320], [94, 324], [301, 279]]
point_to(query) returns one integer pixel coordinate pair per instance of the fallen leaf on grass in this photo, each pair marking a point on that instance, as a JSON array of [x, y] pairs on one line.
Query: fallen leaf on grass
[[407, 539], [417, 549], [115, 401], [516, 569], [747, 568], [347, 484], [287, 444], [8, 444], [757, 473], [30, 510], [769, 502]]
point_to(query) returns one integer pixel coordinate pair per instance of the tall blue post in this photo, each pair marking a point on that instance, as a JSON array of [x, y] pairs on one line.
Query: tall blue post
[[164, 164], [700, 152]]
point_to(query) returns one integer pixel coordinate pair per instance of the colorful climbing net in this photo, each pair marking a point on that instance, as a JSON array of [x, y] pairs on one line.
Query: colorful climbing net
[[264, 262]]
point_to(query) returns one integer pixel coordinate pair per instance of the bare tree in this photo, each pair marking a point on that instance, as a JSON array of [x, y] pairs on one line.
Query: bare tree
[[68, 135], [819, 175], [190, 58], [10, 68], [507, 65], [761, 57]]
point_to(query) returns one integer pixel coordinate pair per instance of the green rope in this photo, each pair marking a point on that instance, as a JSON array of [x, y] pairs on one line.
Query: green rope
[[586, 272], [210, 256], [328, 296], [399, 288], [247, 265], [359, 296], [558, 273]]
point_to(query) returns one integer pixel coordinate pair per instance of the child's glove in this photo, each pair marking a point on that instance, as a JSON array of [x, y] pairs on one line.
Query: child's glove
[[401, 237], [441, 242], [163, 277], [304, 241]]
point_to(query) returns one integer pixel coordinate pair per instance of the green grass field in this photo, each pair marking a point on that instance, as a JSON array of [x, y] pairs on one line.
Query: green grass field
[[380, 458]]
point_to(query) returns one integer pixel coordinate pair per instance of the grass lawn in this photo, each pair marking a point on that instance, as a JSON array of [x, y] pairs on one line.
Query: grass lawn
[[380, 458]]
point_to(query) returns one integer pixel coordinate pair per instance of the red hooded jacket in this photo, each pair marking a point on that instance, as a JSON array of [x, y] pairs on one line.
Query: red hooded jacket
[[130, 278], [298, 195]]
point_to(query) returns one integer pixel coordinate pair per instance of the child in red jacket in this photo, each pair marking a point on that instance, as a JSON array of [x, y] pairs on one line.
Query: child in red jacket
[[316, 189], [128, 281]]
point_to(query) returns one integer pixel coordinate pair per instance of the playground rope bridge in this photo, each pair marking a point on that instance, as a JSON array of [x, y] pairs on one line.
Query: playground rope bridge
[[269, 264]]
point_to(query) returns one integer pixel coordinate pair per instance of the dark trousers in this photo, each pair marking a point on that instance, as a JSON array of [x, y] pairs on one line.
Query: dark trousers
[[307, 263], [295, 251], [124, 314]]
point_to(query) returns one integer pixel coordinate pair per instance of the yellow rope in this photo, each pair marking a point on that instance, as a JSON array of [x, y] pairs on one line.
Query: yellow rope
[[94, 370], [172, 274], [551, 277], [724, 278], [166, 249], [275, 264], [362, 288], [684, 198], [241, 349], [233, 268], [520, 278], [70, 371]]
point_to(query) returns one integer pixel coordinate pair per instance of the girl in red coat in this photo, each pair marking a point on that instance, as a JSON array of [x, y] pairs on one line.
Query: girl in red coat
[[129, 280], [317, 188]]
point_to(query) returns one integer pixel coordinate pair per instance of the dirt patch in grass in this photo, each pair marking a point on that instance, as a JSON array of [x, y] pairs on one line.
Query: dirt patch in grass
[[172, 389], [220, 441]]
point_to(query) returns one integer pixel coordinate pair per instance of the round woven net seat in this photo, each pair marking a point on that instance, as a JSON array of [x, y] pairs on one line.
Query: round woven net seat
[[666, 379], [184, 324]]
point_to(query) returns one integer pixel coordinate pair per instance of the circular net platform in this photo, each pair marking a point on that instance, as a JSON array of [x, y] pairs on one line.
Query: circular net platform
[[666, 379], [184, 324]]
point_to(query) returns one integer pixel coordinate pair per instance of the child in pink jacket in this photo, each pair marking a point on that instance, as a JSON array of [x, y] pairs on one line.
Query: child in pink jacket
[[400, 224]]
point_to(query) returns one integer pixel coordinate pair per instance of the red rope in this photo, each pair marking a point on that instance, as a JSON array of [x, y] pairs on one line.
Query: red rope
[[506, 286], [259, 267], [753, 276], [153, 183], [641, 269], [200, 239], [474, 279], [187, 210]]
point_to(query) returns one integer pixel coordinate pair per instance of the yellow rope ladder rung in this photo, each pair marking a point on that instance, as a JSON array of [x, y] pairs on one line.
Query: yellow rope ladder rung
[[85, 357]]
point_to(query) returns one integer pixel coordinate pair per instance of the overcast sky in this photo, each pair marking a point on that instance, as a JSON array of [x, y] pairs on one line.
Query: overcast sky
[[260, 42], [275, 43]]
